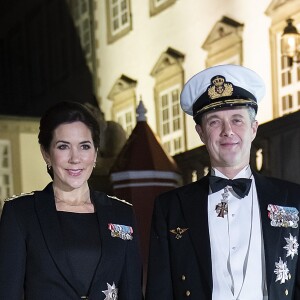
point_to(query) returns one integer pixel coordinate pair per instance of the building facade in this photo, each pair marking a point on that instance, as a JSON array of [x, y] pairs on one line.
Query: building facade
[[140, 50], [148, 49]]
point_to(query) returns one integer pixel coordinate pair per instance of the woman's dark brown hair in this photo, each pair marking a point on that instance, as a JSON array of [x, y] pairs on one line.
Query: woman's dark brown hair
[[66, 112]]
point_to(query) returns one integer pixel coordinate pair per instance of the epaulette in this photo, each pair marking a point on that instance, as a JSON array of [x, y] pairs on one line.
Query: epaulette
[[116, 198], [18, 196]]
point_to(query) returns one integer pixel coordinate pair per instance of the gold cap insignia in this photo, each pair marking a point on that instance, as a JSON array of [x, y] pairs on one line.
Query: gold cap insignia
[[219, 87]]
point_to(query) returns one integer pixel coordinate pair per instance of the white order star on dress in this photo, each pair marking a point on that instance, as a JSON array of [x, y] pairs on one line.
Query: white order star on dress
[[282, 271], [111, 293], [291, 246]]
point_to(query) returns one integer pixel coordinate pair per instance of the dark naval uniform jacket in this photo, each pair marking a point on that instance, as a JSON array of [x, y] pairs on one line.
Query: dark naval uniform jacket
[[33, 262], [180, 257]]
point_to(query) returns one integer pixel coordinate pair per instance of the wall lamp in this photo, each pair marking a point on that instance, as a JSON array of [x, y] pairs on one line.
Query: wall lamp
[[290, 43]]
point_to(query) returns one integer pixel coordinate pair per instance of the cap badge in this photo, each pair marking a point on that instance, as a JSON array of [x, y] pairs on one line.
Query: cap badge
[[219, 87]]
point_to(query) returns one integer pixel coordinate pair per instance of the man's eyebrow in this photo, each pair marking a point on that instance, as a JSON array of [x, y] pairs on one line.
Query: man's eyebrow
[[212, 116]]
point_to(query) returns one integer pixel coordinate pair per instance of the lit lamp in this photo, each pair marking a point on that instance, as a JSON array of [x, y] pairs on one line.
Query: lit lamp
[[290, 43]]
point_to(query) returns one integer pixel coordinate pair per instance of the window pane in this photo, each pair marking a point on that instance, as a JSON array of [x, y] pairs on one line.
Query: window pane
[[165, 115], [115, 11], [290, 99], [166, 129], [164, 100], [124, 5], [124, 19], [116, 24], [177, 144], [176, 110], [175, 96], [176, 124]]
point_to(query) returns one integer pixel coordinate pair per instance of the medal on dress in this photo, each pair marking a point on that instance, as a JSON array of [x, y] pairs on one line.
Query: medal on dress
[[111, 293], [222, 207]]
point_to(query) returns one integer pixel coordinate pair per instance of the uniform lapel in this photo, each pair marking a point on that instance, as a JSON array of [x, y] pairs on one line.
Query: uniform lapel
[[111, 248], [267, 194], [48, 219], [194, 204]]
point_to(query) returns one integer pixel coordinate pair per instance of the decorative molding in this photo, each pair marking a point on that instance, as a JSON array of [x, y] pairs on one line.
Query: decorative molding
[[168, 58], [223, 29], [122, 84]]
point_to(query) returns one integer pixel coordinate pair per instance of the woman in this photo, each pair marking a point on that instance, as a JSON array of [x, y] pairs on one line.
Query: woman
[[67, 241]]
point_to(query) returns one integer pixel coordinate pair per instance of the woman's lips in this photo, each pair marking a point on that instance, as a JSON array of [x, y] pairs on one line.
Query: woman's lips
[[76, 172]]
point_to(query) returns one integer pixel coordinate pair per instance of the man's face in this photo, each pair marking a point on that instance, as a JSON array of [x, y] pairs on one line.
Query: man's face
[[228, 134]]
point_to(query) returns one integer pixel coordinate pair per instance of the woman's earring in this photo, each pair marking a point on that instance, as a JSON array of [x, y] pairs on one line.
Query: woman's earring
[[94, 164], [48, 166]]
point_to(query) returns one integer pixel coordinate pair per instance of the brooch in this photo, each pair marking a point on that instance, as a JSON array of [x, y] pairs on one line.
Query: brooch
[[178, 232], [283, 216], [282, 272], [121, 231], [291, 246], [111, 293]]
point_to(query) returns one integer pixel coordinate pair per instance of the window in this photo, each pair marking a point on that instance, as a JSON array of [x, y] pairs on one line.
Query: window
[[124, 102], [168, 74], [289, 87], [82, 13], [6, 184], [171, 116], [126, 119], [285, 79], [118, 18], [156, 6]]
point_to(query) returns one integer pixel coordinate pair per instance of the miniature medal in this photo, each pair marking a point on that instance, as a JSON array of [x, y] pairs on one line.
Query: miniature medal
[[222, 207]]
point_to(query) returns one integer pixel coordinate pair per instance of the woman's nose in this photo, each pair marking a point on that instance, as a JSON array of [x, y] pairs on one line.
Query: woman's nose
[[74, 157]]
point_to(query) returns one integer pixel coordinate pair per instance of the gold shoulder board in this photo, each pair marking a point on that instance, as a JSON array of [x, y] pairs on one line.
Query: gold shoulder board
[[116, 198], [18, 196]]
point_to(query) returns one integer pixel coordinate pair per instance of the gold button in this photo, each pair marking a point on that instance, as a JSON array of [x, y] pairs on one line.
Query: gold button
[[183, 277], [188, 293]]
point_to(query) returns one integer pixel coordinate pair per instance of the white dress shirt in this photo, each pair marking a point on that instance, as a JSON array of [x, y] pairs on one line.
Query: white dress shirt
[[237, 253]]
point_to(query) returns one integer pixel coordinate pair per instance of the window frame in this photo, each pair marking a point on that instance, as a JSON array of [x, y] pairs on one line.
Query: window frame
[[173, 135], [113, 35]]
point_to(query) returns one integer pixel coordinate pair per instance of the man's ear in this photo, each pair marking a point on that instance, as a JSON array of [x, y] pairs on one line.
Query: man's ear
[[254, 127], [200, 133]]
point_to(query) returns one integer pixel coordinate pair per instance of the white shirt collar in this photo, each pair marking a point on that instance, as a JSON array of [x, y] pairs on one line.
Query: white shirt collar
[[244, 173]]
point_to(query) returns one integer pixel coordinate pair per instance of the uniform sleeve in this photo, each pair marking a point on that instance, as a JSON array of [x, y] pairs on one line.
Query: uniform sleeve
[[12, 255], [159, 281], [131, 281]]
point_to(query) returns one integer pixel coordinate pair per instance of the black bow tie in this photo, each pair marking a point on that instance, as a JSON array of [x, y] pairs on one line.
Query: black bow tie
[[241, 186]]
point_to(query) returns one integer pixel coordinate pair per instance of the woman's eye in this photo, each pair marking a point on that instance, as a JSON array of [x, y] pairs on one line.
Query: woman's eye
[[62, 147], [86, 147]]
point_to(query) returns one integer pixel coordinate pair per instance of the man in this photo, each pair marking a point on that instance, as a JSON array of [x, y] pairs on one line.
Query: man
[[233, 234]]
